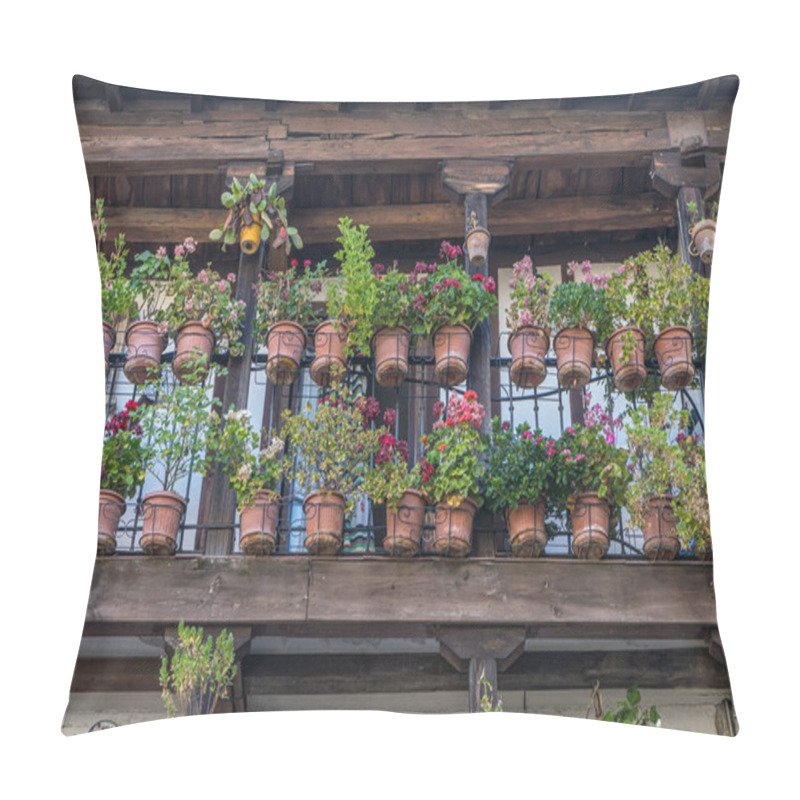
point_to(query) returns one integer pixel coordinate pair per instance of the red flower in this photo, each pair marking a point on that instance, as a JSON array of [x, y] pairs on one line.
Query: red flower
[[470, 396], [442, 446]]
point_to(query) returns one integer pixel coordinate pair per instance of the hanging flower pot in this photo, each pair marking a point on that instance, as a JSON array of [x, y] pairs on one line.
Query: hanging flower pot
[[145, 341], [112, 507], [194, 345], [258, 524], [703, 234], [390, 347], [528, 347], [591, 518], [324, 512], [109, 339], [404, 525], [526, 529], [250, 238], [329, 356], [161, 518], [658, 529], [625, 349], [477, 244], [286, 343], [453, 528], [574, 349], [673, 348], [451, 345]]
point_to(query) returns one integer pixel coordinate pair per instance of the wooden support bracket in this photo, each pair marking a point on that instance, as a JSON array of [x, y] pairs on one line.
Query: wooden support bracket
[[459, 645], [490, 177], [669, 172]]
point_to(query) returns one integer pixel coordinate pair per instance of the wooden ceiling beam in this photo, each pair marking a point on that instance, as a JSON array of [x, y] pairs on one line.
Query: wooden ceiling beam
[[413, 221]]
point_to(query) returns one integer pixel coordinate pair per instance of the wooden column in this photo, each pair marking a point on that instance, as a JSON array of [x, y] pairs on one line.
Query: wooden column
[[576, 405], [689, 194]]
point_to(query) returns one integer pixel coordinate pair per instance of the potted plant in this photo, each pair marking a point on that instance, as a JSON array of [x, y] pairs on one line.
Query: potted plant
[[121, 473], [590, 478], [476, 241], [391, 481], [254, 214], [527, 318], [519, 478], [253, 473], [199, 673], [331, 446], [146, 336], [285, 310], [702, 232], [455, 304], [117, 296], [578, 313], [203, 312], [178, 428], [351, 302], [453, 470], [657, 471], [693, 525], [669, 302]]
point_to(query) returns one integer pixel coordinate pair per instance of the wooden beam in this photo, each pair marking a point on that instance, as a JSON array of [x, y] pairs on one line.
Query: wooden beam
[[617, 597], [413, 221]]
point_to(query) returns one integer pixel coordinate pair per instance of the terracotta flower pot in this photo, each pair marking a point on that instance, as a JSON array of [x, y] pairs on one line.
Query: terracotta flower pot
[[109, 339], [625, 349], [477, 244], [250, 238], [404, 526], [703, 234], [453, 528], [324, 522], [591, 518], [194, 346], [673, 348], [528, 347], [286, 343], [328, 353], [658, 529], [451, 344], [526, 529], [574, 350], [112, 507], [161, 518], [390, 349], [145, 341], [258, 524]]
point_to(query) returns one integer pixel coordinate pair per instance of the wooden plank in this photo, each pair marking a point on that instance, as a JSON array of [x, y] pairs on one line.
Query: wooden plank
[[415, 221]]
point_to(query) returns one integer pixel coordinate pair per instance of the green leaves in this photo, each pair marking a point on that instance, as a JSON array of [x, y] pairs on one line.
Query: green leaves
[[628, 712]]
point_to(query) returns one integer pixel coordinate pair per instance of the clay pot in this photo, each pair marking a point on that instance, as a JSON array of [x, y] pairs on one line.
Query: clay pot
[[250, 238], [258, 524], [477, 244], [194, 345], [109, 339], [526, 529], [390, 349], [453, 528], [451, 344], [703, 234], [328, 353], [286, 343], [658, 529], [324, 522], [574, 350], [673, 348], [591, 518], [112, 507], [161, 518], [404, 525], [145, 341], [629, 374], [528, 347]]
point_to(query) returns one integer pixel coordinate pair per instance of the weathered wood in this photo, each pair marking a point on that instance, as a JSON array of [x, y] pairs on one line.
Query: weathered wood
[[669, 173], [482, 683], [459, 645], [576, 404], [686, 195], [489, 178]]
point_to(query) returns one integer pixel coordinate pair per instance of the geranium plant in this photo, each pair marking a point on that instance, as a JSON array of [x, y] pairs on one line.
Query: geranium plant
[[530, 297], [289, 295], [150, 280], [252, 203], [394, 305], [454, 465], [333, 443], [237, 449], [691, 508], [123, 464], [581, 304], [117, 295]]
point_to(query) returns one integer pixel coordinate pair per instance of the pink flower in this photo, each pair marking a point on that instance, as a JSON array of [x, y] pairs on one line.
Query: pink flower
[[232, 277], [161, 252], [179, 250], [202, 276], [223, 285], [190, 244], [609, 438], [527, 435]]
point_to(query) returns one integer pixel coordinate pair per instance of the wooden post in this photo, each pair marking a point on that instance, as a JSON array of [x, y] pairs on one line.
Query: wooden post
[[575, 395], [689, 194], [482, 682]]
